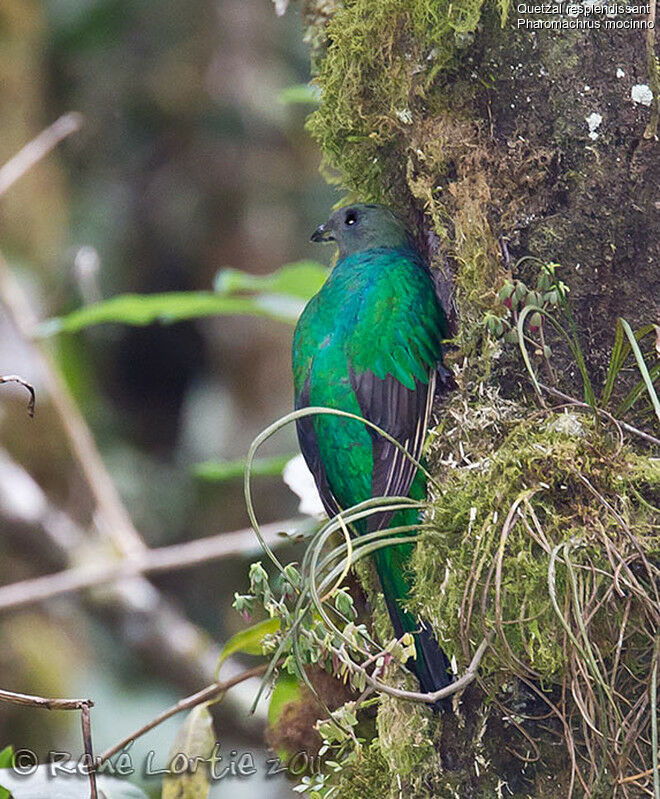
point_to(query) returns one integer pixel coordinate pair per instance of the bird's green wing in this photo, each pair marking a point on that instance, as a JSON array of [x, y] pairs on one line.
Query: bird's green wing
[[393, 356]]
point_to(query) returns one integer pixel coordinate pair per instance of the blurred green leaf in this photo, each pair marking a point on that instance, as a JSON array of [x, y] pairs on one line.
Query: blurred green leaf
[[143, 309], [7, 757], [287, 689], [249, 641], [281, 296], [301, 279], [6, 761], [219, 471], [303, 93], [195, 742]]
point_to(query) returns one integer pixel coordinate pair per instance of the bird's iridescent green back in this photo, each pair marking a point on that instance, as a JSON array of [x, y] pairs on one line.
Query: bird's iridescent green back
[[377, 313]]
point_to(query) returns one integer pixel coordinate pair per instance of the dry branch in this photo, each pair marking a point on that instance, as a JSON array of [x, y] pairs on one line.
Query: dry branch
[[167, 636], [210, 692], [150, 561], [83, 705], [40, 146]]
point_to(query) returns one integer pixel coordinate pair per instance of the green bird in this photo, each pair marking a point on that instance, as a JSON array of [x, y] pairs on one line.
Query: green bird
[[370, 343]]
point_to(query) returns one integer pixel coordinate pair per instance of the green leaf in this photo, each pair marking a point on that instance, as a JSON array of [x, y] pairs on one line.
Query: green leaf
[[195, 743], [636, 392], [281, 296], [219, 471], [7, 757], [305, 93], [249, 641], [620, 352], [6, 761], [641, 363], [301, 279], [175, 306], [287, 689], [574, 343]]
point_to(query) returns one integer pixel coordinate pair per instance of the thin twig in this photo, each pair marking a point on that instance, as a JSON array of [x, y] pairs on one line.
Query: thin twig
[[149, 561], [171, 637], [34, 151], [634, 430], [120, 528], [170, 642], [89, 751], [83, 705], [41, 701], [25, 384], [210, 692]]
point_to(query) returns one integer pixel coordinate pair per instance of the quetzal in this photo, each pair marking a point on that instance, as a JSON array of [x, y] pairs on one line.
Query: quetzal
[[369, 342]]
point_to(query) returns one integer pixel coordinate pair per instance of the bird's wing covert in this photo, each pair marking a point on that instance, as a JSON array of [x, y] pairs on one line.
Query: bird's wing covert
[[394, 374]]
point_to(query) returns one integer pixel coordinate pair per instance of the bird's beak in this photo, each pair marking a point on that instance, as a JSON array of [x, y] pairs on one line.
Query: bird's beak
[[322, 234]]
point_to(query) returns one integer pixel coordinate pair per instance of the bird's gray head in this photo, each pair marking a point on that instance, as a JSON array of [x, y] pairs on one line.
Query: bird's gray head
[[362, 227]]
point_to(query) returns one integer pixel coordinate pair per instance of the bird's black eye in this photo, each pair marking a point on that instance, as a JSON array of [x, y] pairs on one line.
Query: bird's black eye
[[350, 218]]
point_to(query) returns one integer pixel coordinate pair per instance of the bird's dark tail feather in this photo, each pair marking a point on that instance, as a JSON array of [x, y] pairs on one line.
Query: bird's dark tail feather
[[431, 666]]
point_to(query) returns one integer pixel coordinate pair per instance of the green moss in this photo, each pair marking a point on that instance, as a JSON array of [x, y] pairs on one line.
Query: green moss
[[404, 735], [402, 120], [382, 61], [515, 487], [367, 776], [492, 561], [396, 126]]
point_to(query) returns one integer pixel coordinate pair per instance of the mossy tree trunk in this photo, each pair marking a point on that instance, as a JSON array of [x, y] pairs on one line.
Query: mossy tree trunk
[[500, 141]]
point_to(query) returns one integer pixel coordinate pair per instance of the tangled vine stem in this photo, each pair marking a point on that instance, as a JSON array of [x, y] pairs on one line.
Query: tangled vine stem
[[627, 427], [428, 698]]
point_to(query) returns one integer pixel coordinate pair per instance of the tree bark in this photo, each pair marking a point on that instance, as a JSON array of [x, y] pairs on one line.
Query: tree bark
[[500, 140]]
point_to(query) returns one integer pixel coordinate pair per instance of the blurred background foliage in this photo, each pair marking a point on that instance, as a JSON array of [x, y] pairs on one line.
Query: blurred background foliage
[[192, 158]]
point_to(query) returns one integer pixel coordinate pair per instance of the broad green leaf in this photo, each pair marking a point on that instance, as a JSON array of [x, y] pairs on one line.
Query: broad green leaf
[[287, 689], [249, 641], [305, 93], [301, 279], [219, 471], [280, 296], [194, 743], [174, 306]]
